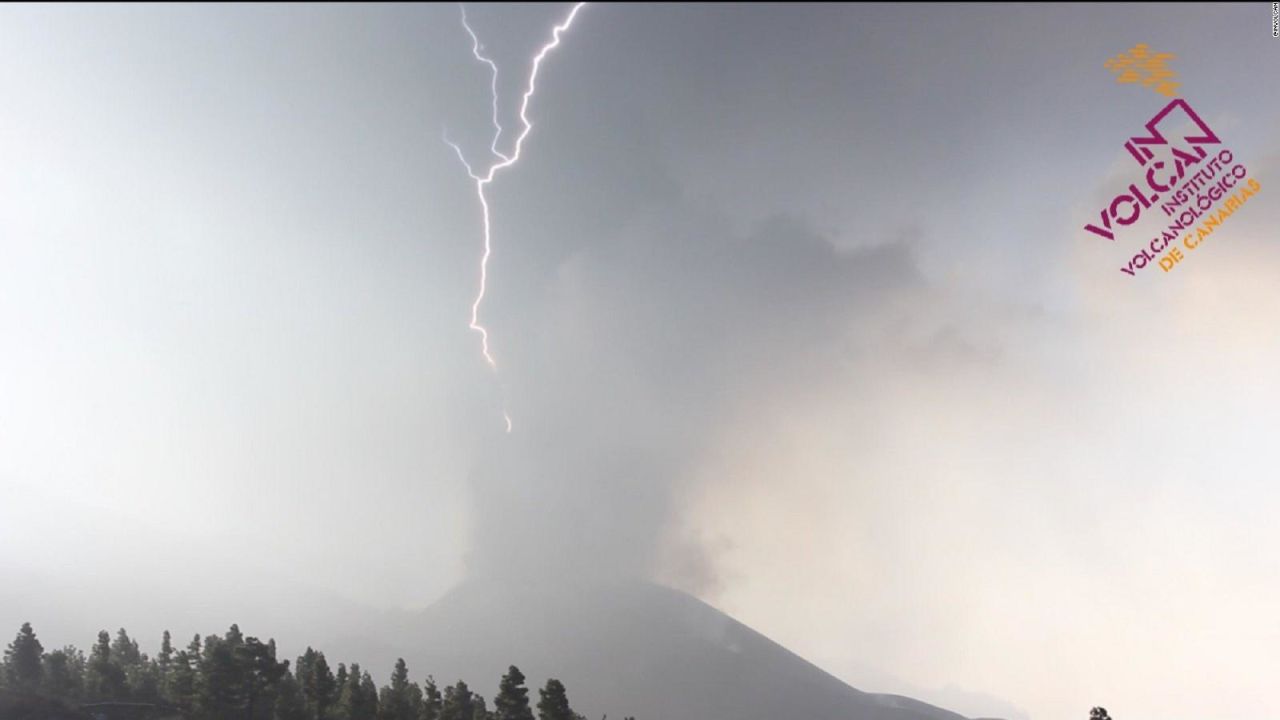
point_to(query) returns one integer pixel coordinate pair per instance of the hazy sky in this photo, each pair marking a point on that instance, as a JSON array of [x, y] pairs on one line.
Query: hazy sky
[[791, 304]]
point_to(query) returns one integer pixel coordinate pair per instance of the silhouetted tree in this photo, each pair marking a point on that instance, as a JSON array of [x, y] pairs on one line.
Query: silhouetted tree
[[164, 665], [553, 703], [144, 681], [431, 700], [63, 674], [290, 703], [193, 648], [182, 687], [354, 703], [219, 683], [260, 675], [234, 677], [106, 680], [22, 667], [320, 686], [402, 700], [369, 693], [302, 671], [457, 703], [125, 650], [140, 676], [512, 701]]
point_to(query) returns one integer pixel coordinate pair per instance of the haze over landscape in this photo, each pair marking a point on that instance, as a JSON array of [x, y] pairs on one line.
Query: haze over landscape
[[824, 406]]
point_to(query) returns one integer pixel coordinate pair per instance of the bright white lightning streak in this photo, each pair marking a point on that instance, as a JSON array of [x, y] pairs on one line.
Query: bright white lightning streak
[[506, 161], [493, 85]]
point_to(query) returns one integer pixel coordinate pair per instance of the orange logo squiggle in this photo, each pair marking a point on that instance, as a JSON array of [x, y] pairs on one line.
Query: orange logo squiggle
[[1138, 64]]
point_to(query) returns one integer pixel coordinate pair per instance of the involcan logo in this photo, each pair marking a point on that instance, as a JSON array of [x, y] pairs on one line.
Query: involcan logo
[[1192, 178]]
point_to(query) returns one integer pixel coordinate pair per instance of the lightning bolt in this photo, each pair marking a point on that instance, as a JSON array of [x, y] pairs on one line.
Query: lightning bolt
[[493, 84], [504, 161]]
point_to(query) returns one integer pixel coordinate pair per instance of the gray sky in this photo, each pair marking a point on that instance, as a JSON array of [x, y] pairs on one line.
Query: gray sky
[[791, 304]]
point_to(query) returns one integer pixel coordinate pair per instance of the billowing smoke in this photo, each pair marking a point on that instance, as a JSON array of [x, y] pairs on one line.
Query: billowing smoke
[[636, 323], [642, 346]]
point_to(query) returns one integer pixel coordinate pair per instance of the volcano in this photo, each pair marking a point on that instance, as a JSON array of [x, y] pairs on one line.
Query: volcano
[[621, 648]]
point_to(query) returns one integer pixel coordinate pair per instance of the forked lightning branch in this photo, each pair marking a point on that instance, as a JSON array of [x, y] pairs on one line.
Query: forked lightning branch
[[502, 161]]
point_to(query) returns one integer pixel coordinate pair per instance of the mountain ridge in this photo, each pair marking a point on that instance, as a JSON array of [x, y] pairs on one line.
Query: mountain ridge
[[622, 648]]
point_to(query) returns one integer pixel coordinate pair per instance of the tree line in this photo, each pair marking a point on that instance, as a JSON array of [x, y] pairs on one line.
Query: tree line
[[233, 677]]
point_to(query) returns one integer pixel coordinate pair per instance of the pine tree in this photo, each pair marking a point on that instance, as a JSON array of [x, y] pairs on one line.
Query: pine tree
[[234, 637], [261, 675], [219, 686], [144, 681], [63, 674], [234, 677], [457, 703], [348, 691], [182, 687], [368, 696], [387, 705], [303, 671], [195, 651], [431, 700], [22, 667], [302, 668], [402, 700], [290, 703], [106, 680], [554, 702], [140, 679], [124, 650], [164, 666], [512, 701], [320, 686]]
